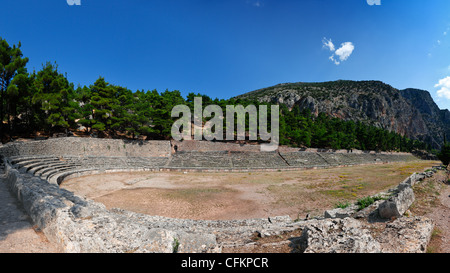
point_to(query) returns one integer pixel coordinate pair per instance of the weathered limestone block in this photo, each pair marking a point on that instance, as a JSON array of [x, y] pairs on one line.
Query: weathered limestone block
[[279, 219], [398, 204], [369, 212], [341, 213], [337, 236], [414, 178], [406, 235], [195, 243]]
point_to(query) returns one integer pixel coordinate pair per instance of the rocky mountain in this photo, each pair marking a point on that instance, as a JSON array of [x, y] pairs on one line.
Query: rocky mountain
[[410, 112]]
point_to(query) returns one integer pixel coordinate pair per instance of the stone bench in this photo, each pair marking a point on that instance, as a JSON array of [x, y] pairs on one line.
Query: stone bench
[[304, 159], [43, 168], [29, 163]]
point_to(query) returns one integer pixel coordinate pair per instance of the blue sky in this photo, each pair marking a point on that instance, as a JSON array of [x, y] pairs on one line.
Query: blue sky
[[224, 48]]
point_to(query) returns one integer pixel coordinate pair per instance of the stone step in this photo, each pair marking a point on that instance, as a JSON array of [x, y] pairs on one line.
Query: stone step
[[50, 173], [33, 162], [48, 169]]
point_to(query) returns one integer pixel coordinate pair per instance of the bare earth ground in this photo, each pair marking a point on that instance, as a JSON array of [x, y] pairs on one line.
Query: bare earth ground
[[224, 196], [433, 201], [235, 196]]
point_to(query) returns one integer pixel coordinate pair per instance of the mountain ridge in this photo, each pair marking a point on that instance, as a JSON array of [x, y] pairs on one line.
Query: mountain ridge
[[410, 112]]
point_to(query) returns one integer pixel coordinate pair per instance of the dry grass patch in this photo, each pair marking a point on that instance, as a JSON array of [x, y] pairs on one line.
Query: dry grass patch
[[324, 188]]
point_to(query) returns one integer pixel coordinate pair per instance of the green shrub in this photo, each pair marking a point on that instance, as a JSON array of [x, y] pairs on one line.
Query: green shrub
[[367, 201], [175, 246], [342, 205]]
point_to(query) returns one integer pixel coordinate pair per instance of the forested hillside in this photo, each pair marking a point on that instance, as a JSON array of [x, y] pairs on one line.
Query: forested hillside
[[44, 103], [409, 112]]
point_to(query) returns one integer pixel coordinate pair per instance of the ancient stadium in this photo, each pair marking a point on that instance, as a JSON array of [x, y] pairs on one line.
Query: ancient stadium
[[198, 196], [111, 195]]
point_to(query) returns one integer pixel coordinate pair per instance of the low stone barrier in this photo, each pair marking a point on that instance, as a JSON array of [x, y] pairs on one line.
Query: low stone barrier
[[397, 205], [337, 236], [402, 196], [403, 235], [393, 204], [406, 235], [78, 225]]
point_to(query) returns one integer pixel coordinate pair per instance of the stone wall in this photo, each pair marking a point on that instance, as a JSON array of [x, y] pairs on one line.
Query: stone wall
[[212, 146], [75, 146]]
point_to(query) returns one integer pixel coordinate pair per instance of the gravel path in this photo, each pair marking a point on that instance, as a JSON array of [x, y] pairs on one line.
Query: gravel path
[[17, 234], [441, 217]]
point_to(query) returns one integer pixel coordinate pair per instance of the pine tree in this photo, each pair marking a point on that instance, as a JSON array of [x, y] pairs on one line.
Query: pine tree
[[104, 102], [54, 97], [85, 108], [11, 63]]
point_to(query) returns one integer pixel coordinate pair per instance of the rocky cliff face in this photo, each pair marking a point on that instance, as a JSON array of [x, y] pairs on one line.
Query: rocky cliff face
[[437, 120], [410, 112]]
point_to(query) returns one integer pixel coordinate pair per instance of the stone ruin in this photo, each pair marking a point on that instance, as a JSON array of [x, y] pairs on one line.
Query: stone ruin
[[34, 170]]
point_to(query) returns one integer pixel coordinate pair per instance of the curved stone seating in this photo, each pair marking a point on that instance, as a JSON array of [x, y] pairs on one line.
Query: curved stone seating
[[338, 159], [34, 167], [30, 162], [304, 159], [255, 160], [43, 168], [59, 177], [57, 168], [200, 160]]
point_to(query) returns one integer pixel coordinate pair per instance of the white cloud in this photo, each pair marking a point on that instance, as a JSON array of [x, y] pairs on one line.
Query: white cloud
[[342, 53], [333, 60], [345, 51], [444, 84], [328, 43]]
